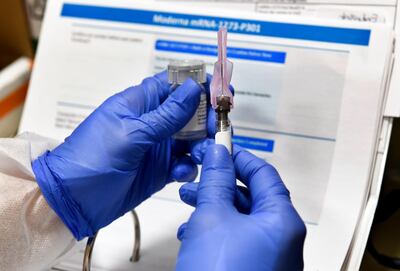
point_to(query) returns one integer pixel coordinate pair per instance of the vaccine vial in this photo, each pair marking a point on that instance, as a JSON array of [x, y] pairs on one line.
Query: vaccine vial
[[178, 72]]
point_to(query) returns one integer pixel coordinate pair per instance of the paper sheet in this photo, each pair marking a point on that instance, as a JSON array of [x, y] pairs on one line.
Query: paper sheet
[[360, 238], [309, 94]]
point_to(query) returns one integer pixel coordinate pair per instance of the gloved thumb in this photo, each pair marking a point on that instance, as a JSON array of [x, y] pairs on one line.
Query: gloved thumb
[[183, 169], [174, 113], [218, 180]]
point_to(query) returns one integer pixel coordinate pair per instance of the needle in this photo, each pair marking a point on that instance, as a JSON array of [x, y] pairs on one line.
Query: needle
[[221, 96]]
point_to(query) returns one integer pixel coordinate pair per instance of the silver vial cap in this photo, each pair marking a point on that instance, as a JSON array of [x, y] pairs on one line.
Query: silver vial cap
[[180, 70]]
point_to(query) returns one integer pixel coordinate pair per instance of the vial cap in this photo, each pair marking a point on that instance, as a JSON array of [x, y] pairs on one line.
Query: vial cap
[[180, 70]]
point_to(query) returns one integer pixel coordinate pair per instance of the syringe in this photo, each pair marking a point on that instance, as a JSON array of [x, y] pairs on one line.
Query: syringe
[[221, 96], [223, 124]]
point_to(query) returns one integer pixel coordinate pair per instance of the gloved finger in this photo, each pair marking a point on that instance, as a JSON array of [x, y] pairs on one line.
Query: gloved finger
[[183, 169], [271, 202], [188, 194], [181, 231], [147, 96], [198, 148], [263, 179], [211, 118], [217, 181], [173, 114]]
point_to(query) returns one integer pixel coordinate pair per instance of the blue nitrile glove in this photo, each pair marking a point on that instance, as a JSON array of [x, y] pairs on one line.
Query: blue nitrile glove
[[120, 155], [268, 236]]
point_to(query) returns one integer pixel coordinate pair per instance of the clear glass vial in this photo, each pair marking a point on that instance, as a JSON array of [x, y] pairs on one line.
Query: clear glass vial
[[178, 72]]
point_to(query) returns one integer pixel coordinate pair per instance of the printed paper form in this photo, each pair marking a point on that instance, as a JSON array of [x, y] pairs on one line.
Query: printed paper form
[[373, 11], [297, 133]]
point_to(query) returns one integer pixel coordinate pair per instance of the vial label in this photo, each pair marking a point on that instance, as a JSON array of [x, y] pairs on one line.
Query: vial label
[[197, 126]]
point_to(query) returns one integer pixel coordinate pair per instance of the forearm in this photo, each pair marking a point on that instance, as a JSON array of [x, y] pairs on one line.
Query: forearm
[[32, 236]]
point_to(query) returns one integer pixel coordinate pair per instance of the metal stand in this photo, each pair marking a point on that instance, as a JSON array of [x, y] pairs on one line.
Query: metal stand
[[136, 247], [87, 258]]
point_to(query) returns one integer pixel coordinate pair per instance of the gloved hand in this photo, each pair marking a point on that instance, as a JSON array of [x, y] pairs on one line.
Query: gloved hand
[[267, 236], [120, 155]]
